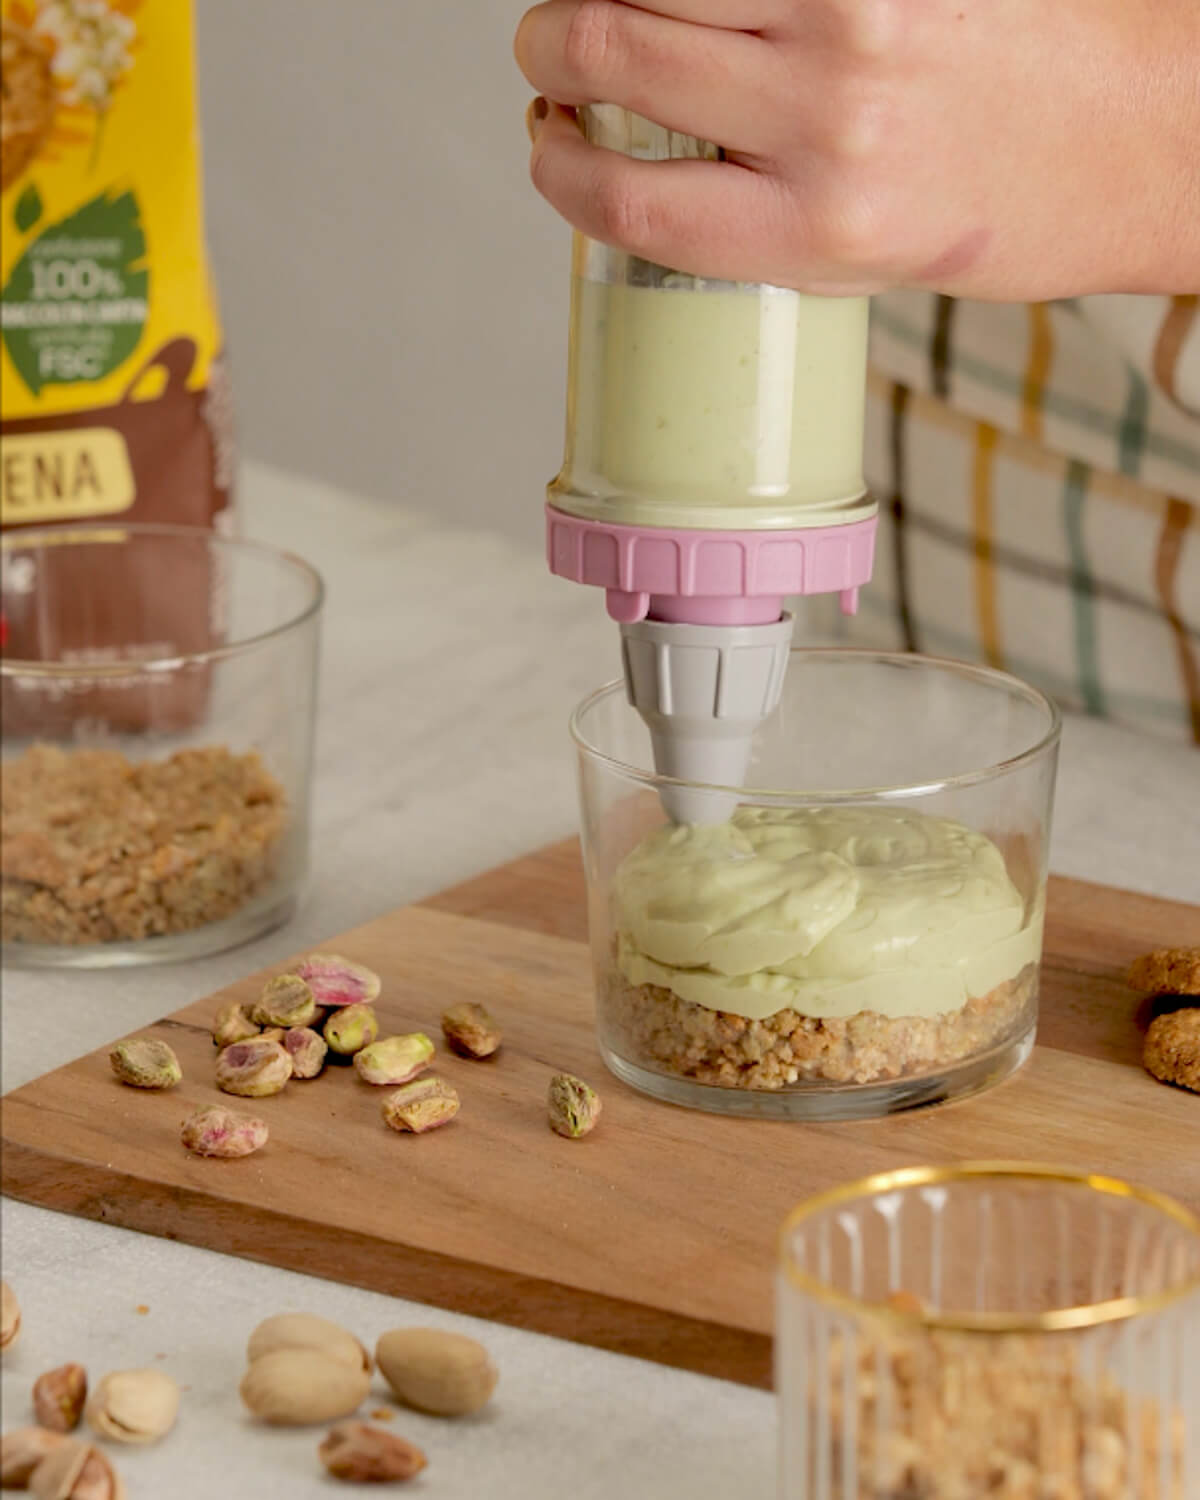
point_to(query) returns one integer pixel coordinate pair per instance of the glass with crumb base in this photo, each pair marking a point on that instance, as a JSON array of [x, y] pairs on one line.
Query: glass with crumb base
[[157, 690], [999, 1330], [863, 934]]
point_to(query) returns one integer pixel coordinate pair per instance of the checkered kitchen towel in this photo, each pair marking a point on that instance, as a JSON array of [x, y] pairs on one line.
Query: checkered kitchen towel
[[1038, 471]]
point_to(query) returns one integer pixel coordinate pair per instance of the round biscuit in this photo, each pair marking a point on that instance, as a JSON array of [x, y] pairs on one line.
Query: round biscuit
[[1172, 1050], [1167, 971]]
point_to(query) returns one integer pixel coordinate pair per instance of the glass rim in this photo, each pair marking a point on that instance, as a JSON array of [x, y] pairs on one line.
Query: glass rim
[[95, 533], [990, 677], [1055, 1320]]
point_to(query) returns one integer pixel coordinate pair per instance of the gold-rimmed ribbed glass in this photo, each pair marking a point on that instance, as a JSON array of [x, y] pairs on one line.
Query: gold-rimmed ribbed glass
[[990, 1331]]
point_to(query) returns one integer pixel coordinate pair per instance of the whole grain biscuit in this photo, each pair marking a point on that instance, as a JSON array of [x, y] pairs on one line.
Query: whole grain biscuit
[[96, 848], [1172, 1051], [1167, 971], [26, 100]]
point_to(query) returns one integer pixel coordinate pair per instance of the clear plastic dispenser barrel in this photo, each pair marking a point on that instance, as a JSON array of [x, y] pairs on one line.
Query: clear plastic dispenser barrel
[[713, 467]]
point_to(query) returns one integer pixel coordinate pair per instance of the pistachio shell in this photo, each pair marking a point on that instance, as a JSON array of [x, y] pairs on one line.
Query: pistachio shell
[[10, 1316], [21, 1451], [447, 1374], [307, 1331], [133, 1406], [76, 1471], [300, 1387]]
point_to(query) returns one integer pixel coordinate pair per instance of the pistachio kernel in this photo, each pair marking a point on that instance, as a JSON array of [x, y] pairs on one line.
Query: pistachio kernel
[[572, 1105], [470, 1030], [221, 1132], [232, 1024], [307, 1049], [58, 1398], [285, 1001], [253, 1069], [350, 1028], [394, 1059], [335, 981], [144, 1062], [363, 1454], [421, 1106]]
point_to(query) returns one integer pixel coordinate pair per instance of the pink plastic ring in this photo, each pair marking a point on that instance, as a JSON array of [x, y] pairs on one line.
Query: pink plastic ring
[[709, 577]]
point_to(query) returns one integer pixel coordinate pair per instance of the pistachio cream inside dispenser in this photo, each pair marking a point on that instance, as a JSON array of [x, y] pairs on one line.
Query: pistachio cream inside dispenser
[[713, 467]]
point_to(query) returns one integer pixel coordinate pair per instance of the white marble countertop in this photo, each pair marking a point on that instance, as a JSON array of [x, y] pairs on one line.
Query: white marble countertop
[[407, 801]]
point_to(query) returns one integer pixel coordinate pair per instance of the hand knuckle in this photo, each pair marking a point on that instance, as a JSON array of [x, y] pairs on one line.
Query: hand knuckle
[[850, 233], [591, 42], [871, 28], [860, 126]]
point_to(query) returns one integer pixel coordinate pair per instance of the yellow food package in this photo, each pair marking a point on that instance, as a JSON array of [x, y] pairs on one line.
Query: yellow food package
[[113, 396]]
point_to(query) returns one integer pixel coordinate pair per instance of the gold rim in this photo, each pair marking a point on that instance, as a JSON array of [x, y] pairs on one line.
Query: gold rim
[[1057, 1320]]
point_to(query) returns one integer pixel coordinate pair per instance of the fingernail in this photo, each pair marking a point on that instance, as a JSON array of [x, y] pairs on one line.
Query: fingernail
[[534, 115]]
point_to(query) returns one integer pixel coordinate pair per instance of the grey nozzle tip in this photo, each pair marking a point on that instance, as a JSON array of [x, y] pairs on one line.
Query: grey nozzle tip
[[703, 692], [696, 805]]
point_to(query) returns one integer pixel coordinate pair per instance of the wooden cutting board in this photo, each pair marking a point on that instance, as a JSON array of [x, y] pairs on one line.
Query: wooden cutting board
[[654, 1236]]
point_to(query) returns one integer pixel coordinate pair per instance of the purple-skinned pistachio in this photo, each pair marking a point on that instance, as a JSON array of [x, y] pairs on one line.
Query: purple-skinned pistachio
[[307, 1050], [217, 1131], [336, 981], [253, 1069]]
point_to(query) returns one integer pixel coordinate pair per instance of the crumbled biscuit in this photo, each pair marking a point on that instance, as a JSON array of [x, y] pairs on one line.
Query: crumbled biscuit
[[659, 1030], [1172, 1050], [1167, 971], [950, 1416], [96, 848]]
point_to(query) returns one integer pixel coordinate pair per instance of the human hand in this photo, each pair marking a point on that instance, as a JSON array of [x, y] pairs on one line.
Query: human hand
[[1009, 150]]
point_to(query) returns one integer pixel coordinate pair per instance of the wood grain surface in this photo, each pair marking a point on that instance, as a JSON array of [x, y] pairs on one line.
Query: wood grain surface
[[654, 1236]]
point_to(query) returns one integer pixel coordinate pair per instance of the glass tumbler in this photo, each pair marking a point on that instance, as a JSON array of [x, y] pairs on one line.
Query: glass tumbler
[[992, 1331], [864, 936], [157, 692]]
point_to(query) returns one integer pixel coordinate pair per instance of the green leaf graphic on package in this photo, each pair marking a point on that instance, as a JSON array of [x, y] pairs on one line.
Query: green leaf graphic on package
[[28, 209], [75, 304]]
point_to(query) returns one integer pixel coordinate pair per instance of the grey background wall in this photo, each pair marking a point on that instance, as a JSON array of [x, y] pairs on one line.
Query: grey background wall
[[394, 291]]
